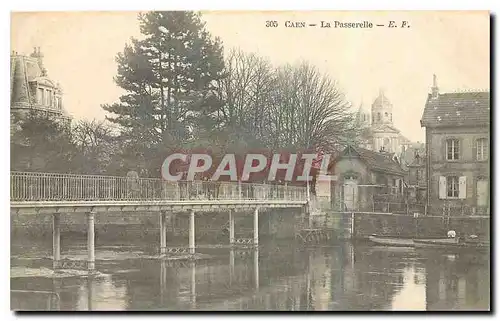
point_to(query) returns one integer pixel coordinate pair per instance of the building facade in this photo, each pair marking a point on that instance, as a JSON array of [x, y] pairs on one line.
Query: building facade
[[31, 89], [380, 133], [366, 180], [457, 129]]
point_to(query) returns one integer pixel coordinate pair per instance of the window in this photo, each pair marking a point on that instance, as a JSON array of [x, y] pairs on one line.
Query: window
[[452, 186], [452, 149], [391, 116], [417, 175], [49, 98], [378, 116], [482, 149], [40, 96], [386, 115]]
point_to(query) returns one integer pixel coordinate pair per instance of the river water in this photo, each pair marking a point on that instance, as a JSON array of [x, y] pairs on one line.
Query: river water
[[283, 276]]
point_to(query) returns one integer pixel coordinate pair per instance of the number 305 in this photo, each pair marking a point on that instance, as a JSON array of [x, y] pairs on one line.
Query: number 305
[[271, 24]]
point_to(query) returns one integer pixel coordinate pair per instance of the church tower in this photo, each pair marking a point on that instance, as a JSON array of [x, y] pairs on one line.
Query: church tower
[[381, 110], [363, 116]]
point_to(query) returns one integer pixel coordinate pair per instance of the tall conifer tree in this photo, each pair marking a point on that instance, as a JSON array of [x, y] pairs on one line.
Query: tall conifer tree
[[168, 77]]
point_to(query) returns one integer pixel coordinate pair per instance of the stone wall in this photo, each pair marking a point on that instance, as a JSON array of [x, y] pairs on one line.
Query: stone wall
[[367, 224]]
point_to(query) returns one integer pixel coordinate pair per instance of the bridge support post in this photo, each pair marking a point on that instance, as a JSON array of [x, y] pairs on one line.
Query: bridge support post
[[256, 227], [56, 240], [231, 227], [91, 241], [163, 232], [191, 233]]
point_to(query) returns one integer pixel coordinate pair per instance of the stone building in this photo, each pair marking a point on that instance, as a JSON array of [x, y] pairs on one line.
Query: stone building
[[364, 177], [31, 89], [417, 182], [380, 133], [457, 130]]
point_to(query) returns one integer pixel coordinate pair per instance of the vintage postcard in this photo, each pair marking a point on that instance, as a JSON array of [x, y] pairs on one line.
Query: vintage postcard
[[250, 161]]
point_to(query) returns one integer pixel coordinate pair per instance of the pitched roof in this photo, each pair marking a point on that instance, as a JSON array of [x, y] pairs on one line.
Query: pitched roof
[[384, 128], [376, 161], [408, 156], [457, 109]]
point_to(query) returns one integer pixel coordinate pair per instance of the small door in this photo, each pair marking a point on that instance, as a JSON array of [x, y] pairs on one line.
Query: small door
[[351, 194]]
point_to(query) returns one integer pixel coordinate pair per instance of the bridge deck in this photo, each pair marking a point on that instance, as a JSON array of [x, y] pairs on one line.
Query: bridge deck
[[51, 192]]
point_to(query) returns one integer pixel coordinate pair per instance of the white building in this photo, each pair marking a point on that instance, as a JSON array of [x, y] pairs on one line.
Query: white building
[[380, 133]]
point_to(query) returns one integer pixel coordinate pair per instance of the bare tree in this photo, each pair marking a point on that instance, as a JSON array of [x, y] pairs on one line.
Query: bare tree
[[96, 145], [245, 95], [310, 111]]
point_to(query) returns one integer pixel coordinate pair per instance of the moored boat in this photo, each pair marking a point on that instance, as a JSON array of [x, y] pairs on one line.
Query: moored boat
[[407, 241], [439, 244]]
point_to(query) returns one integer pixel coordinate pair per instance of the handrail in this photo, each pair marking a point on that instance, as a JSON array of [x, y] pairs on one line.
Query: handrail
[[36, 186]]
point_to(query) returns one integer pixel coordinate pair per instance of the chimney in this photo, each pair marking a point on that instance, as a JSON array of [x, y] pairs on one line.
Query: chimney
[[434, 88]]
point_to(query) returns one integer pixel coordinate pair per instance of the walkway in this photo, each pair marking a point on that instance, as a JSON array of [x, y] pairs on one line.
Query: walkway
[[52, 193]]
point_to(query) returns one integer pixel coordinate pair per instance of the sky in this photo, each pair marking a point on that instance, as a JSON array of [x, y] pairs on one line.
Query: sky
[[80, 48]]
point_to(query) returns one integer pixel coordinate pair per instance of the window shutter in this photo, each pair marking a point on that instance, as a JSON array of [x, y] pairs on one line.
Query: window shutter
[[462, 187], [442, 187]]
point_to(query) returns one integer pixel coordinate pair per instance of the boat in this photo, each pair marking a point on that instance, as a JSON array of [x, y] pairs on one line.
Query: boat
[[464, 245], [407, 241]]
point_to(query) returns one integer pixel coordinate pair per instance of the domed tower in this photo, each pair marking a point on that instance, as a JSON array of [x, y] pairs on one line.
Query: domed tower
[[381, 110]]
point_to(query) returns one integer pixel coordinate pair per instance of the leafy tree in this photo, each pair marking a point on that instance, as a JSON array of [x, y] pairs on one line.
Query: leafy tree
[[41, 143]]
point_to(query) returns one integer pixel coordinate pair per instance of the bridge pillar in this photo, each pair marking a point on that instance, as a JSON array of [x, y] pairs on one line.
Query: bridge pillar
[[163, 232], [56, 240], [231, 227], [191, 233], [90, 241], [256, 227]]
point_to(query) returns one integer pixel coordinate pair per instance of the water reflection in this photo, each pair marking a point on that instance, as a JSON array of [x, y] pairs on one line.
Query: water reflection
[[284, 277]]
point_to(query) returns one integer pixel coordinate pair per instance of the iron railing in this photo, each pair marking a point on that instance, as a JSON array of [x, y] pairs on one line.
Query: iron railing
[[31, 186]]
